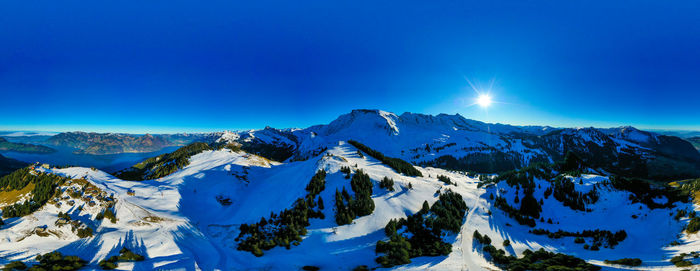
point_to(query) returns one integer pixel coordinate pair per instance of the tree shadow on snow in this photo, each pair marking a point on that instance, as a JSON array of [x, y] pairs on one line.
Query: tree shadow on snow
[[634, 246]]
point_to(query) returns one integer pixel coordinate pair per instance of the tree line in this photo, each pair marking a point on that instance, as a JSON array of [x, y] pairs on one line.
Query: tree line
[[600, 237], [537, 260], [44, 188], [287, 227], [564, 190], [50, 261], [125, 255], [164, 164], [421, 234], [397, 164]]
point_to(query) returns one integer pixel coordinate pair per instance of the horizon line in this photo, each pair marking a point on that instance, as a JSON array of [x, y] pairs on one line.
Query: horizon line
[[171, 131]]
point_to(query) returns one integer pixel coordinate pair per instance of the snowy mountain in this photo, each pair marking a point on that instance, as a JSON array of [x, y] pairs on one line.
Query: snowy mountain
[[454, 142], [192, 218], [369, 190]]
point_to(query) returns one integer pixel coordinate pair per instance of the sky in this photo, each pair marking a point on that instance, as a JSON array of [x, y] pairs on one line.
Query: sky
[[187, 66]]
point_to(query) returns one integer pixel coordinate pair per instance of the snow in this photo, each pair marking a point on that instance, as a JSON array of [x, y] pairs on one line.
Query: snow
[[632, 134], [176, 222], [660, 200], [403, 136], [228, 137]]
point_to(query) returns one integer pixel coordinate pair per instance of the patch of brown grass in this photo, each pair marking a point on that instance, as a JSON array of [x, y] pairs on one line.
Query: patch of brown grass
[[12, 196], [696, 197]]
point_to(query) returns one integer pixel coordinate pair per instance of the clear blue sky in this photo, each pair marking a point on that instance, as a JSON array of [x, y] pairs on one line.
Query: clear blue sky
[[165, 66]]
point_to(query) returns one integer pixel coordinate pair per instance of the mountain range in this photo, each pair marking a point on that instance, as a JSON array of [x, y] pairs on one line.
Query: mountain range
[[109, 143], [103, 143], [369, 190], [348, 207], [445, 141], [454, 142]]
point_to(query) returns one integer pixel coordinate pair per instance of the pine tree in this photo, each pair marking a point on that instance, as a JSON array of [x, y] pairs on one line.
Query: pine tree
[[387, 183], [425, 208], [571, 162], [529, 206]]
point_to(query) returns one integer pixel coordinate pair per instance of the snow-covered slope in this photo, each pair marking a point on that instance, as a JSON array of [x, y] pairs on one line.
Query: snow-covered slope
[[178, 223], [455, 142], [650, 233]]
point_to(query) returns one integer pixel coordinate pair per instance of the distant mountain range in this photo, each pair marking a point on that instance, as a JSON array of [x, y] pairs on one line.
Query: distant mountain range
[[445, 141], [114, 143], [454, 142], [678, 133], [369, 190], [220, 208], [96, 143]]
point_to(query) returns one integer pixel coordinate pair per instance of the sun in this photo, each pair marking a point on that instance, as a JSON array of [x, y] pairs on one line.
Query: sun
[[484, 100]]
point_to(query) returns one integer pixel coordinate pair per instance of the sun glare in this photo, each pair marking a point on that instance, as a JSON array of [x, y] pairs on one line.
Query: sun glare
[[484, 100]]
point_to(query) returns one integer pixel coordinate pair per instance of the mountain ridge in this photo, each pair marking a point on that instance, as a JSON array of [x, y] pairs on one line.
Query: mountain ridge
[[115, 143], [199, 211], [444, 140], [455, 142]]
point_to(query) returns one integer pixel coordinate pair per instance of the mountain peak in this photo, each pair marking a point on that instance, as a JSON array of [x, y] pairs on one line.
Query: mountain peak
[[442, 119], [633, 134], [364, 119]]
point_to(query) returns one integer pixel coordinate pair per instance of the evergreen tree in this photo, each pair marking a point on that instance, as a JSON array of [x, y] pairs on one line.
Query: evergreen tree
[[164, 164], [397, 164], [387, 183], [445, 179], [288, 226], [425, 229], [425, 208], [44, 188], [530, 207], [397, 251], [571, 162]]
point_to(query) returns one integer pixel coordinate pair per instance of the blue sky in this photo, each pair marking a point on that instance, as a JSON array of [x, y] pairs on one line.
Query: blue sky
[[168, 66]]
